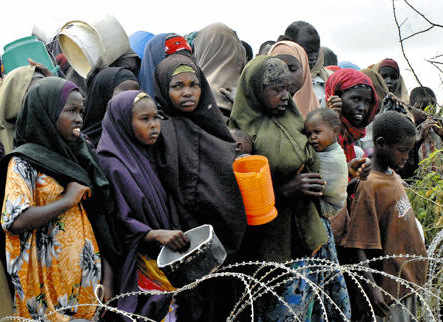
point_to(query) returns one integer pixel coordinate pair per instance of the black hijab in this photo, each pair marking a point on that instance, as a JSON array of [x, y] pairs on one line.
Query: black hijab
[[39, 142], [100, 89], [195, 156], [207, 116]]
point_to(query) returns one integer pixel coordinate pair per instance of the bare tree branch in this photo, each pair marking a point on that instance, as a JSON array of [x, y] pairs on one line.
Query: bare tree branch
[[417, 33], [422, 15], [401, 43]]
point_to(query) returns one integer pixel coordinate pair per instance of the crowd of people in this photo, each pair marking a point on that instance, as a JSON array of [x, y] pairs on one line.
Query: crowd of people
[[98, 174]]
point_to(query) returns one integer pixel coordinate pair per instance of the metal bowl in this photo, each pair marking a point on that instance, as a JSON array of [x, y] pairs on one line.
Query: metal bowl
[[205, 254]]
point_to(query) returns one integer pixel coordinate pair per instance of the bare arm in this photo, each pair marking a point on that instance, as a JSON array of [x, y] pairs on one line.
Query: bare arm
[[36, 217]]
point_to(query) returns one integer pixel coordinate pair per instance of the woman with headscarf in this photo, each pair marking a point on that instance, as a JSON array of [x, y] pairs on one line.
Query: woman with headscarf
[[390, 72], [101, 87], [352, 94], [157, 49], [12, 93], [306, 35], [304, 98], [56, 240], [264, 110], [220, 54], [130, 128], [193, 158]]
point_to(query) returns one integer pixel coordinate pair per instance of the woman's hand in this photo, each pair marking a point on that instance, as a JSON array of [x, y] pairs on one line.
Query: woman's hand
[[308, 184], [75, 192], [173, 239], [335, 103], [360, 168]]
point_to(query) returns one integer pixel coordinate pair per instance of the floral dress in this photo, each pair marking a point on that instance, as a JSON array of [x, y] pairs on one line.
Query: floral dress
[[53, 267]]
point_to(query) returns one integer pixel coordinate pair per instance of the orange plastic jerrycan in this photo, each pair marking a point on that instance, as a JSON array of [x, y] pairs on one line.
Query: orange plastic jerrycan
[[254, 180]]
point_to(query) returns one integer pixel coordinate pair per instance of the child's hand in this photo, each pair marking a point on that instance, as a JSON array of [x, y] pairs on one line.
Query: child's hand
[[173, 239], [309, 184], [75, 192], [360, 168], [335, 103]]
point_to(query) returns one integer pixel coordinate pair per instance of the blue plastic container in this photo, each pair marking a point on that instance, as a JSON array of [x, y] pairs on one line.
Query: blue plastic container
[[16, 54]]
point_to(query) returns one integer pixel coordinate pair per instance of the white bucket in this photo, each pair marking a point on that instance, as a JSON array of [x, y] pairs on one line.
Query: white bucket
[[114, 39], [87, 46]]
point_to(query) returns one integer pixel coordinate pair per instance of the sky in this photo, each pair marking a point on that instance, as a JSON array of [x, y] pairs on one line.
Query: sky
[[362, 32]]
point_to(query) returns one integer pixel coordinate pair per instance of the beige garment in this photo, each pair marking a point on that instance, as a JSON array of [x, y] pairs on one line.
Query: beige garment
[[402, 90], [304, 98], [221, 56], [12, 93]]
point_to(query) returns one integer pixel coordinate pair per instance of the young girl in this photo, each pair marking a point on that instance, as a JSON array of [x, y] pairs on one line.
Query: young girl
[[157, 49], [322, 127], [194, 157], [52, 253], [131, 126], [265, 111]]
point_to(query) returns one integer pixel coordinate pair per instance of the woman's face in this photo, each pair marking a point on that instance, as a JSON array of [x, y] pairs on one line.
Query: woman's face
[[276, 98], [185, 91], [70, 120], [145, 121], [391, 78], [356, 105]]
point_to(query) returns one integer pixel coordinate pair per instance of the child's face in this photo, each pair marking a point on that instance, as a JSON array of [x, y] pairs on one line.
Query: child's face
[[185, 91], [70, 119], [145, 121], [320, 134], [276, 98], [397, 154], [356, 105]]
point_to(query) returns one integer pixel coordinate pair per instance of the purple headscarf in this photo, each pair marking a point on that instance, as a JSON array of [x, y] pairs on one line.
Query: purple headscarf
[[139, 195]]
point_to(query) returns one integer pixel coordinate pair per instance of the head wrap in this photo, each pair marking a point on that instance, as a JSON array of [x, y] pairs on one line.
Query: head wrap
[[304, 98], [339, 82], [155, 51], [175, 43], [138, 41], [389, 62], [274, 73], [221, 55], [401, 91], [100, 90], [348, 64]]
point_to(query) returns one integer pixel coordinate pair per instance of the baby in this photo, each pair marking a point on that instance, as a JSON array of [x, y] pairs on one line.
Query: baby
[[322, 127]]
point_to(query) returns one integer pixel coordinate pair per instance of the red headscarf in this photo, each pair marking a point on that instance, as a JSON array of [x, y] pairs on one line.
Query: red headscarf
[[341, 81], [175, 43], [389, 62]]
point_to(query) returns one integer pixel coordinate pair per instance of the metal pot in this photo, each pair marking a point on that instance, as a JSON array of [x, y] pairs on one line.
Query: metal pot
[[205, 255]]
